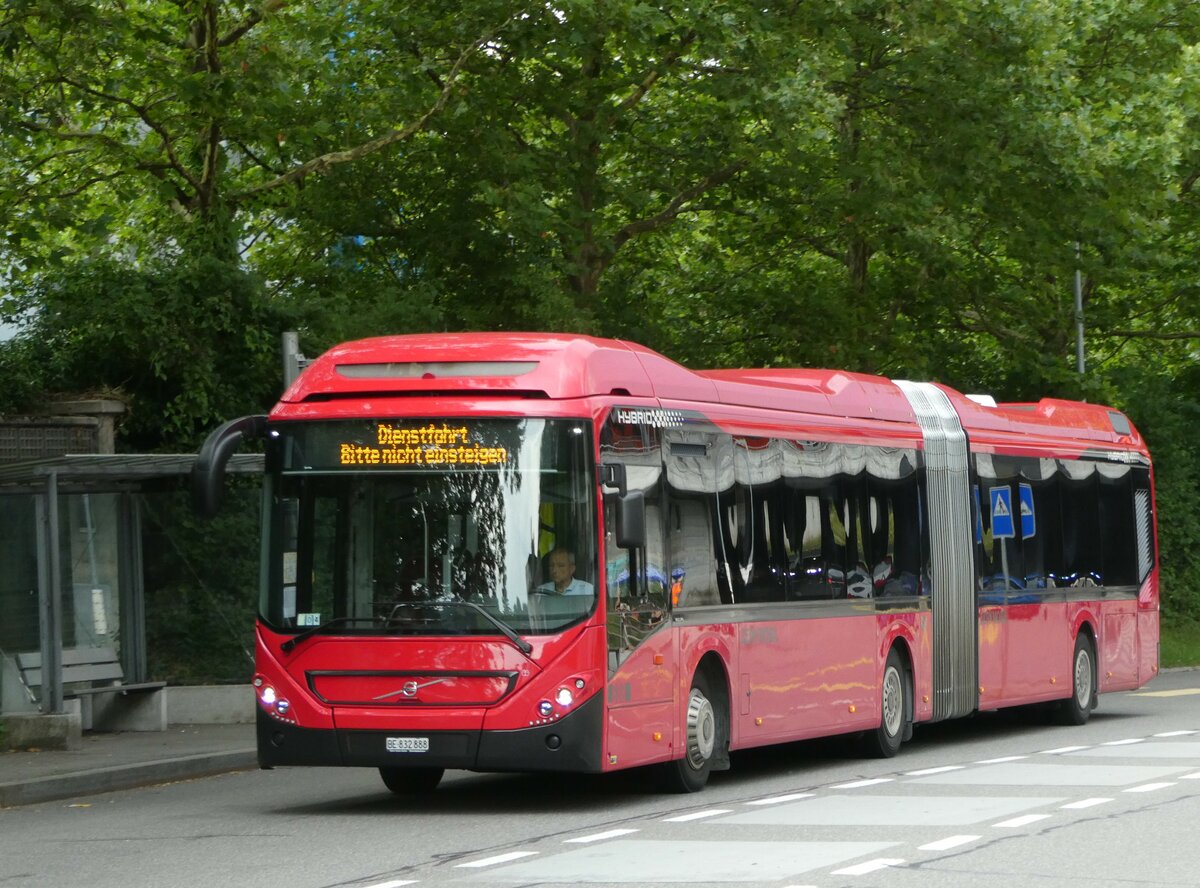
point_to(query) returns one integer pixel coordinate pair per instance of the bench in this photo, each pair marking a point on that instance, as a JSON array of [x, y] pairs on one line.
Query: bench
[[94, 677]]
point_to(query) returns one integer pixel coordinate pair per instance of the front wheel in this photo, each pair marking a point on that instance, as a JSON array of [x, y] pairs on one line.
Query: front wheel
[[1076, 709], [884, 741], [702, 737], [411, 781]]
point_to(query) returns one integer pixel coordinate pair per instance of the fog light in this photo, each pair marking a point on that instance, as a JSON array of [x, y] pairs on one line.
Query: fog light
[[282, 706], [564, 697], [268, 695], [545, 709]]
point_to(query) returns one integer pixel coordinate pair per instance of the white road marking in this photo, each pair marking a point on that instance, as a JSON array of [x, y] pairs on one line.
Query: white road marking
[[1084, 803], [857, 784], [1124, 742], [1175, 734], [775, 800], [942, 770], [1178, 692], [1063, 749], [393, 884], [1017, 822], [499, 858], [599, 837], [1193, 776], [1002, 760], [869, 867], [948, 843], [1148, 787], [697, 815]]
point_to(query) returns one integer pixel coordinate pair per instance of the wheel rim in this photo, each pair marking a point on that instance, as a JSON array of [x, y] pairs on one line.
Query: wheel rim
[[701, 730], [893, 701], [1083, 678]]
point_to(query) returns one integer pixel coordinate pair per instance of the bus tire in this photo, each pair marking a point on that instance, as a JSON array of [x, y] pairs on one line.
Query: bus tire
[[1076, 709], [411, 781], [884, 741], [702, 741]]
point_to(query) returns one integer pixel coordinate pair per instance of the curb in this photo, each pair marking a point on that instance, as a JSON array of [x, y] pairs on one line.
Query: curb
[[98, 780]]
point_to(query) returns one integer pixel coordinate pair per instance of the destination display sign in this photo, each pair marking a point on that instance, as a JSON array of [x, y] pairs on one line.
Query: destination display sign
[[441, 445]]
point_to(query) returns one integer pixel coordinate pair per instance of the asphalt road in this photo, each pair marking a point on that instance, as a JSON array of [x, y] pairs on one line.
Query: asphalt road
[[1001, 799]]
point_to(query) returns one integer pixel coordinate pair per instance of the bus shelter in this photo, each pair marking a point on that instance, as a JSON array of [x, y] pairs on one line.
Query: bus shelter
[[71, 543]]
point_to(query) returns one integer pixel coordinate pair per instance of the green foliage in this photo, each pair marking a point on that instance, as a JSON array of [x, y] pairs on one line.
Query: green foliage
[[902, 188], [1180, 643], [1165, 406], [187, 343]]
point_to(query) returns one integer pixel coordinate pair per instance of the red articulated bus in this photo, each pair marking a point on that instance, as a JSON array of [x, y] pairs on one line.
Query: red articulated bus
[[538, 552]]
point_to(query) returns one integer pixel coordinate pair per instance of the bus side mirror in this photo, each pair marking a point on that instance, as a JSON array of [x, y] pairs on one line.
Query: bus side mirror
[[631, 520], [208, 471]]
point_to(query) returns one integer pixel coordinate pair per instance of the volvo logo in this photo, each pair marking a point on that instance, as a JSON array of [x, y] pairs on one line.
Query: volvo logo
[[409, 689]]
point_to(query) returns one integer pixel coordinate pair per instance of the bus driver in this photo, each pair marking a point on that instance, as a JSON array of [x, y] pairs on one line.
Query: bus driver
[[561, 566]]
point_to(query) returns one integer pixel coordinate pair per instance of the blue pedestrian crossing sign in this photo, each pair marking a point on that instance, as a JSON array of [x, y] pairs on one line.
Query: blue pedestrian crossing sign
[[1003, 527], [1028, 522]]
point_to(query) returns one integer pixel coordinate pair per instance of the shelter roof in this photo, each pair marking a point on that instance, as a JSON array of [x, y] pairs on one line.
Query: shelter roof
[[108, 472]]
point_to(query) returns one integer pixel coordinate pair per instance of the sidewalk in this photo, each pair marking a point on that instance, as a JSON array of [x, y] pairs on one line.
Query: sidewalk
[[108, 762]]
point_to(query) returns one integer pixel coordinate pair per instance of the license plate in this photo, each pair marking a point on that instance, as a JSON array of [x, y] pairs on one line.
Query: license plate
[[408, 744]]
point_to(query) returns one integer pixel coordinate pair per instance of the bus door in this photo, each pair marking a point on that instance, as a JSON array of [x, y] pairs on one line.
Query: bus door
[[1018, 513], [641, 654]]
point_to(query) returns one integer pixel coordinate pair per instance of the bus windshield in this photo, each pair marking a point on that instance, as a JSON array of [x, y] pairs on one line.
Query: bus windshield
[[430, 527]]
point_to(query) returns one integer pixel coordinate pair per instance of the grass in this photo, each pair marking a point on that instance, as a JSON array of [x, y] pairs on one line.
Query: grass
[[1180, 643]]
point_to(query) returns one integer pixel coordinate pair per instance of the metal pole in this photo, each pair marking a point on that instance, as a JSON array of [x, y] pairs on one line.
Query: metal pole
[[291, 358], [50, 597], [1079, 361]]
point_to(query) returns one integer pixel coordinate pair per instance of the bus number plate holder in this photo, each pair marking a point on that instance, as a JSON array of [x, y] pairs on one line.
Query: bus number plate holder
[[407, 744]]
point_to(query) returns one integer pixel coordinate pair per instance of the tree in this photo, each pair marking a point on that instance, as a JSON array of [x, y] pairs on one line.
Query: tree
[[143, 142]]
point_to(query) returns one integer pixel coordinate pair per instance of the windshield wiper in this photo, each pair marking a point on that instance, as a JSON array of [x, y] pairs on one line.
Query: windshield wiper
[[509, 632], [324, 627]]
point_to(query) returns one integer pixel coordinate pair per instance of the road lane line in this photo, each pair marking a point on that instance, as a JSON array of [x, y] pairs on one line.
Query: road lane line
[[942, 770], [697, 815], [1063, 749], [1124, 742], [1018, 822], [1193, 776], [870, 866], [857, 784], [499, 858], [1148, 787], [1002, 760], [775, 800], [948, 843], [1084, 803], [393, 884], [1175, 734], [599, 837]]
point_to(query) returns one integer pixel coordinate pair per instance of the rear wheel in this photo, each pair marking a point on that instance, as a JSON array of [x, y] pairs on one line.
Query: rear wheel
[[411, 781], [1076, 709], [884, 741], [702, 741]]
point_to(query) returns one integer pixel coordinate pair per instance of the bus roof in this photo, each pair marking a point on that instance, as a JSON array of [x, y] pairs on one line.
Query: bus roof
[[562, 366]]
